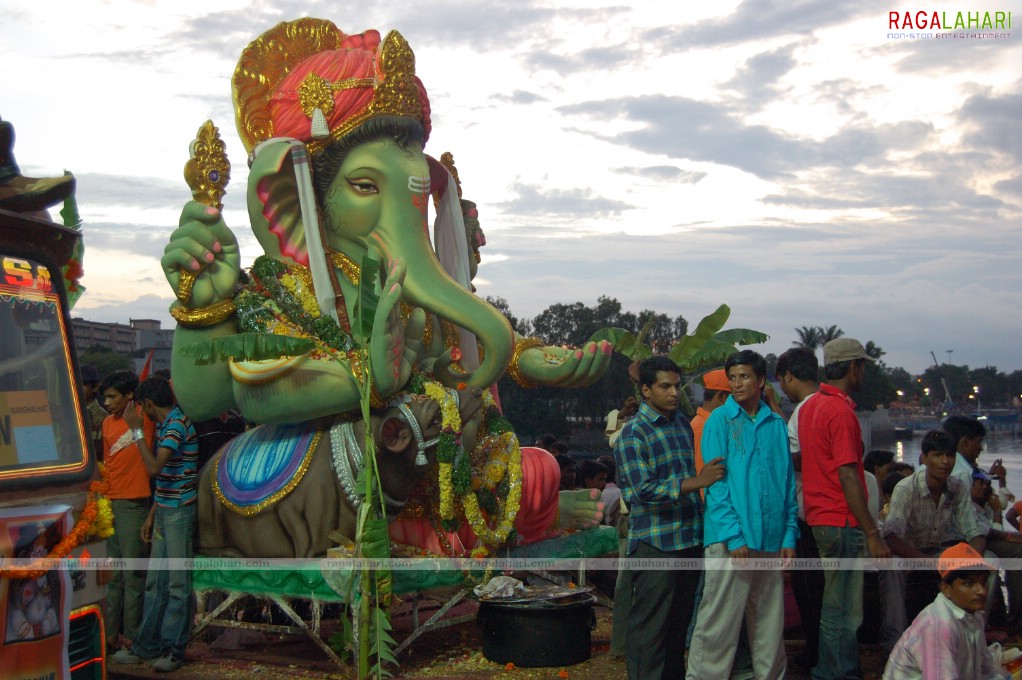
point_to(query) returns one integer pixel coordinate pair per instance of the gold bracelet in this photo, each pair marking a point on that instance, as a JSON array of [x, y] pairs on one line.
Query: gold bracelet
[[207, 316], [512, 367], [355, 362]]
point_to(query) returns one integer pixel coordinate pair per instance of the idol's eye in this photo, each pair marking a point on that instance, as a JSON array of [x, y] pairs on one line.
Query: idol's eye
[[363, 186], [438, 418]]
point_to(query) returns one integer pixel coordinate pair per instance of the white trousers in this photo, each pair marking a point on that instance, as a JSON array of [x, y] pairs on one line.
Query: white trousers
[[728, 595]]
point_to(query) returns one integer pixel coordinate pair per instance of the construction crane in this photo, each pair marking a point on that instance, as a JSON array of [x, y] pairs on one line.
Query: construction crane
[[948, 402]]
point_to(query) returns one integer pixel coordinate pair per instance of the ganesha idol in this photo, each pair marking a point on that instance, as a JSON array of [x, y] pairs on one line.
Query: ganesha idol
[[335, 126]]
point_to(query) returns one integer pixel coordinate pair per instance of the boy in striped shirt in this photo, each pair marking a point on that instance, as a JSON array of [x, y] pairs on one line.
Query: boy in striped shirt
[[166, 612]]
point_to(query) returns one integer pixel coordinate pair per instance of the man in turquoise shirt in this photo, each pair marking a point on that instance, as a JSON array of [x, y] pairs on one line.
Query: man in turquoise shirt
[[751, 519]]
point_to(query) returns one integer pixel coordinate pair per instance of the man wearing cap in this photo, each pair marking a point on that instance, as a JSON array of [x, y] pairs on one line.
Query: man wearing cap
[[947, 639], [716, 390], [834, 491], [1006, 545]]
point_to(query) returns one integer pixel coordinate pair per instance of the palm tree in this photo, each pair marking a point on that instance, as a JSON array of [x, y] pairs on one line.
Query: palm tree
[[830, 333], [874, 350], [809, 337]]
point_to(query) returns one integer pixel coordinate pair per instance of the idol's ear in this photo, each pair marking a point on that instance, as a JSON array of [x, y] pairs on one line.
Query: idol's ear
[[395, 433], [282, 209], [275, 206]]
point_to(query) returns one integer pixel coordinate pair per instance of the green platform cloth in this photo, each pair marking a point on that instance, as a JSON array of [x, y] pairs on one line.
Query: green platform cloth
[[308, 578]]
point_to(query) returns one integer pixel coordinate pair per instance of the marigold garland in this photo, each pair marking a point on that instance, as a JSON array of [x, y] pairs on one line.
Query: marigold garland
[[512, 503], [88, 523], [494, 482], [280, 300], [449, 449]]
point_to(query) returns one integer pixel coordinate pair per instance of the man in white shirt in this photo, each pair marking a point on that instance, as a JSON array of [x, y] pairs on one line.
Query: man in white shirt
[[797, 374], [929, 509]]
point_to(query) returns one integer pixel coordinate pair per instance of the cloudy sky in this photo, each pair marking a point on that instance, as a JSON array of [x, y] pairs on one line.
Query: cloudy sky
[[790, 159]]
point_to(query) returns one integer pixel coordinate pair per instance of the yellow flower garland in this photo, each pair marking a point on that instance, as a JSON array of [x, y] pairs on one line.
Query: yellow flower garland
[[451, 417], [492, 538], [451, 424], [104, 527], [444, 478], [295, 282], [503, 456]]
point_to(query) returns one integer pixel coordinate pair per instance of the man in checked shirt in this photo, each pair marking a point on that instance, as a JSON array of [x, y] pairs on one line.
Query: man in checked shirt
[[655, 458]]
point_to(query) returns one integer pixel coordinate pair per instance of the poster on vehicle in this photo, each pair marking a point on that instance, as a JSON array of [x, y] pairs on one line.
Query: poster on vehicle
[[34, 612], [26, 429]]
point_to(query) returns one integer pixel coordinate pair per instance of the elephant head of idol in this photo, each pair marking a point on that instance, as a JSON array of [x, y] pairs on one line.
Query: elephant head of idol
[[335, 125]]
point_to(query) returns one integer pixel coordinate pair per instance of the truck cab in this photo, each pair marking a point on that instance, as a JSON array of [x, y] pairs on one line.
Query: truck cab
[[46, 465]]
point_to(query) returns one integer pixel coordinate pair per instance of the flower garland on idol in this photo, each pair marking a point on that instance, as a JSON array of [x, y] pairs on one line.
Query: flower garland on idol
[[280, 300], [483, 487], [97, 518], [495, 489]]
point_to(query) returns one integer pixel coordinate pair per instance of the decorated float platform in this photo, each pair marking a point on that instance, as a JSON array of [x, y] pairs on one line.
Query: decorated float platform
[[222, 584]]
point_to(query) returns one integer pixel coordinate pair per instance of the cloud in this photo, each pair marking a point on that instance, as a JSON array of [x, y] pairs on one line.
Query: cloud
[[520, 97], [945, 56], [143, 307], [103, 190], [233, 29], [703, 131], [664, 173], [578, 204], [841, 92], [939, 192], [132, 238], [757, 20], [1012, 187], [995, 123], [602, 58], [898, 286], [757, 80]]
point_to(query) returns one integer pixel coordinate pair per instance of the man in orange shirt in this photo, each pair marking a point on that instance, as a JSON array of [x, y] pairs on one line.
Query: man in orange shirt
[[716, 390], [130, 495]]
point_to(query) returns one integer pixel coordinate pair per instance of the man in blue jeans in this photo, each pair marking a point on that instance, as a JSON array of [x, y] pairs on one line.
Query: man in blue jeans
[[834, 491], [166, 610]]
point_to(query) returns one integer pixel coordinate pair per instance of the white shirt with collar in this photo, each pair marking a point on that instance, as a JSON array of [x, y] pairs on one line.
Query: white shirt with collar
[[945, 642]]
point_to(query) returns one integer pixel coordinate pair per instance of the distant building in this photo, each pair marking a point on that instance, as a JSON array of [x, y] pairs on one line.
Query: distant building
[[136, 339]]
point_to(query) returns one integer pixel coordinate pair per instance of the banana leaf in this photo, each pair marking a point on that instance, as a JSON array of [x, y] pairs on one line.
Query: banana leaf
[[247, 347], [368, 299], [625, 342], [689, 346], [722, 345], [741, 336]]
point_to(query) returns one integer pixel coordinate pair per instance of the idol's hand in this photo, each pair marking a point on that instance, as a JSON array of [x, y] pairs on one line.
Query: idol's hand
[[202, 260]]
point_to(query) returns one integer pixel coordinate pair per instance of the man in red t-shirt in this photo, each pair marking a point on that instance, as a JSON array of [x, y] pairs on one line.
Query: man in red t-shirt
[[834, 490]]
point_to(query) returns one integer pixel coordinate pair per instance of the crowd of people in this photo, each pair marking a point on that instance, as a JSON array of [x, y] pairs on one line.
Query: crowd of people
[[741, 484], [150, 452], [748, 489]]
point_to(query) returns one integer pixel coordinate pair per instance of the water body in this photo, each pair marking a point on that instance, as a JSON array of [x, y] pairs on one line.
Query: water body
[[1001, 445]]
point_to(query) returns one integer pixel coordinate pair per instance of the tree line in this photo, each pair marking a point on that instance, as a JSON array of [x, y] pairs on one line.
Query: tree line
[[580, 413]]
